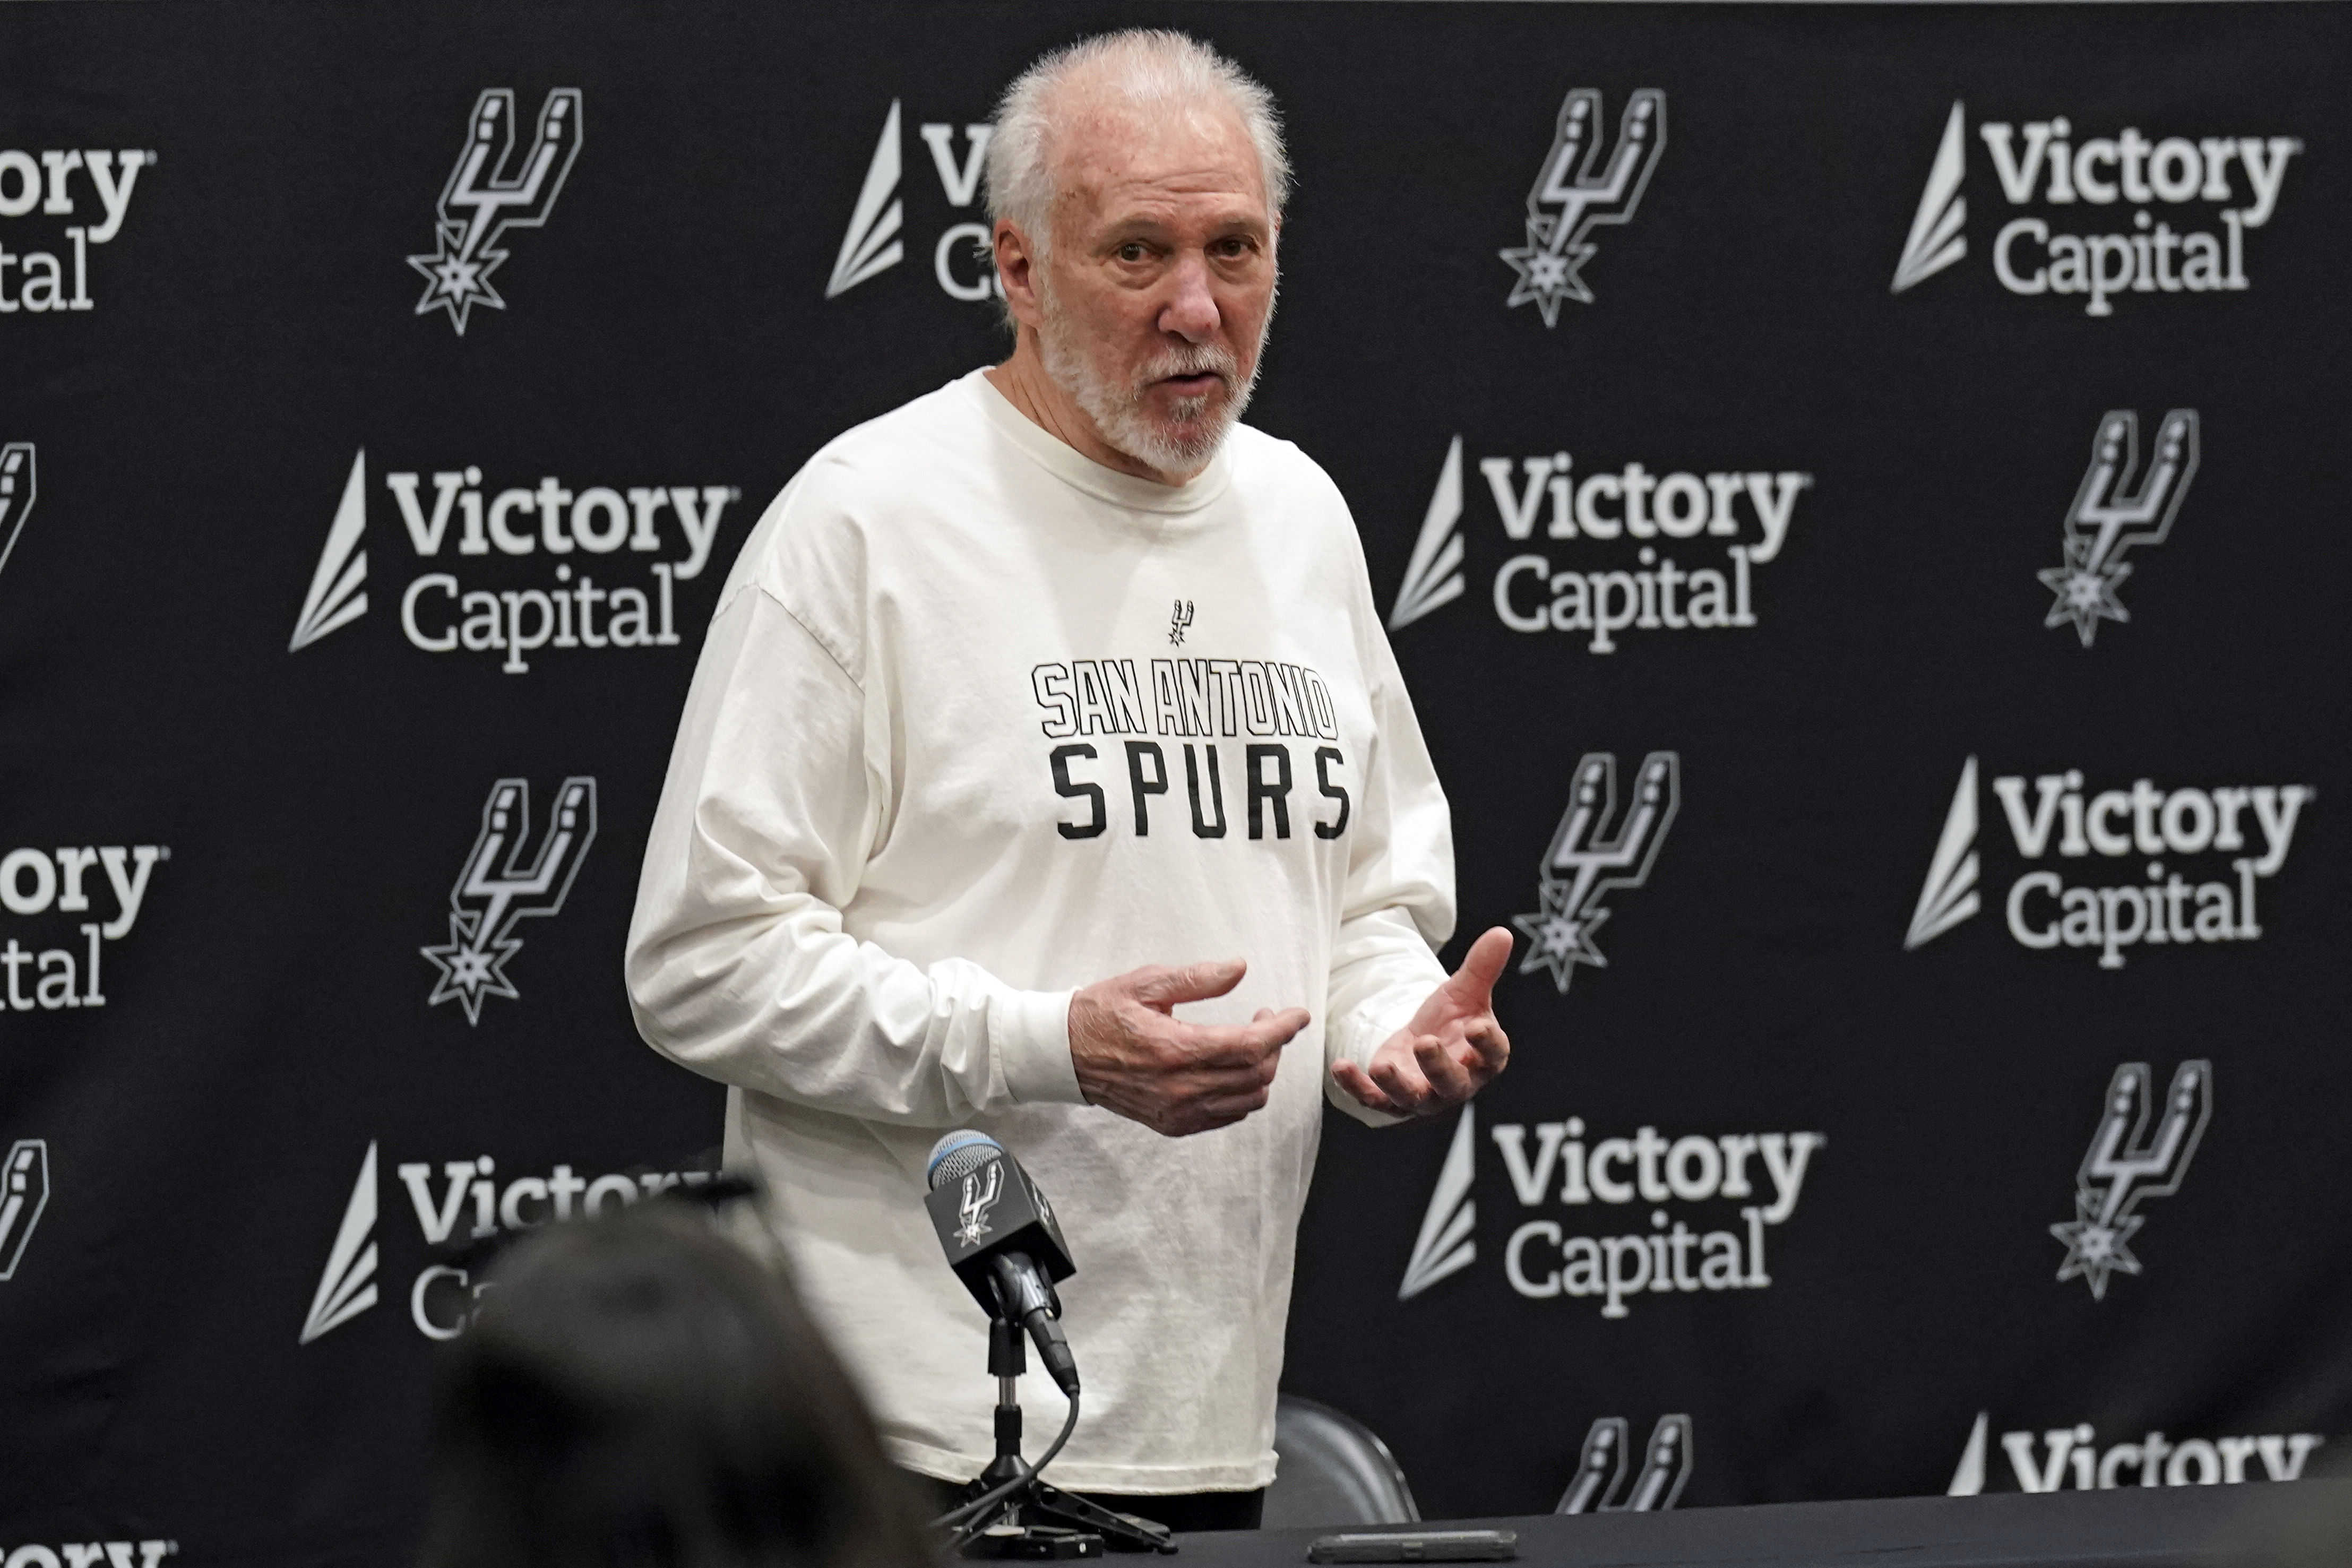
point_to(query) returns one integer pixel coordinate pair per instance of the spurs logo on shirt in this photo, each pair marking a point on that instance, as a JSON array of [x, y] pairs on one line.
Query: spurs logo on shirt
[[1270, 707]]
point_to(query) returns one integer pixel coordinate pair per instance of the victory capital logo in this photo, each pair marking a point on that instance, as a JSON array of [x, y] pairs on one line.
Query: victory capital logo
[[490, 529], [48, 182], [474, 1205], [2249, 828], [875, 240], [2043, 164], [1571, 197], [2072, 1459], [494, 889], [1622, 544], [483, 199], [1578, 1181]]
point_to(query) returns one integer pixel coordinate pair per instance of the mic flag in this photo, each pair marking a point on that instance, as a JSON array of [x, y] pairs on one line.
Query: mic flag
[[984, 1205]]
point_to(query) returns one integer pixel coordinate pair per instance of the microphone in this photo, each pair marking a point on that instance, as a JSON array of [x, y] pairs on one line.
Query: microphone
[[1002, 1241]]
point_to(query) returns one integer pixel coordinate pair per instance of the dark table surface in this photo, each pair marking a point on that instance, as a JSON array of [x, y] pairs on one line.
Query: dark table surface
[[2156, 1528]]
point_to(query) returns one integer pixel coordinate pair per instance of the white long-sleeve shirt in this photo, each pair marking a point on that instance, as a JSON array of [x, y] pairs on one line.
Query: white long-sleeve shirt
[[979, 721]]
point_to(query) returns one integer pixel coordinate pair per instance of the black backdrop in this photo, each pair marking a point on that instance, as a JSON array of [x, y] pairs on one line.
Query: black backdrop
[[216, 1279]]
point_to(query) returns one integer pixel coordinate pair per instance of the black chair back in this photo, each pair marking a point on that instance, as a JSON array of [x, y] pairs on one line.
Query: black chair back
[[1334, 1471]]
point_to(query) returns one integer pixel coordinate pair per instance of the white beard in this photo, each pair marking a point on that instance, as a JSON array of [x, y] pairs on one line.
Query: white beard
[[1181, 447]]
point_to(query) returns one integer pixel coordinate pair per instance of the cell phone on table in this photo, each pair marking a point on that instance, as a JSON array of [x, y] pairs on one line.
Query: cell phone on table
[[1416, 1546]]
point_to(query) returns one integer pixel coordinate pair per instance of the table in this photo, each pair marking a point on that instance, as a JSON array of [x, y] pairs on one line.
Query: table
[[2183, 1527]]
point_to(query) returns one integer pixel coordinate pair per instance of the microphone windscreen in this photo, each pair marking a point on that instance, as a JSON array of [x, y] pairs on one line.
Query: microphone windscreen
[[959, 1154]]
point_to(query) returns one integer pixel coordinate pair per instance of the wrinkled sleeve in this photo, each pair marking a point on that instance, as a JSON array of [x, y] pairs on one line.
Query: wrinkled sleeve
[[738, 966], [1399, 906]]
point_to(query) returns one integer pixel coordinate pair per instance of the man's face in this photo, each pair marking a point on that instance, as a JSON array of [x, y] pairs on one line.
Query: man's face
[[1160, 282]]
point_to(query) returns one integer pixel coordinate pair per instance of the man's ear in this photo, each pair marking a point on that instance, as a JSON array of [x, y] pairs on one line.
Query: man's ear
[[1016, 269]]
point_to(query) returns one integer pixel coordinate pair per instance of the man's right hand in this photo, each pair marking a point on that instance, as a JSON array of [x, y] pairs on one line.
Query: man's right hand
[[1133, 1057]]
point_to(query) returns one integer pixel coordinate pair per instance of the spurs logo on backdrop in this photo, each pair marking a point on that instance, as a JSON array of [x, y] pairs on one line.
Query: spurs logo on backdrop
[[1551, 1258], [485, 197], [2072, 1457], [1179, 619], [19, 487], [982, 1188], [568, 610], [441, 1297], [2128, 1162], [1584, 861], [1607, 1456], [24, 1194], [2108, 519], [1611, 577], [875, 240], [1571, 197], [42, 185], [2234, 180], [2174, 829], [494, 889], [73, 885]]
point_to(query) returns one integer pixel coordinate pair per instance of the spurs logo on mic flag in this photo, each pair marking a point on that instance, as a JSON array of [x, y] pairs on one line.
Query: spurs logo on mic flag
[[2127, 1163], [484, 198], [494, 889], [1571, 197], [982, 1188], [2108, 518], [1586, 861]]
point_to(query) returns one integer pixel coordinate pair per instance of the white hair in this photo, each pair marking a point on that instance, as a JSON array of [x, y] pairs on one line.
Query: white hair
[[1143, 67]]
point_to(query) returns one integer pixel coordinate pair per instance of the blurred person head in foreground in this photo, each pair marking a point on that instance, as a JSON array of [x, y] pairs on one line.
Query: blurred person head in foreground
[[639, 1392]]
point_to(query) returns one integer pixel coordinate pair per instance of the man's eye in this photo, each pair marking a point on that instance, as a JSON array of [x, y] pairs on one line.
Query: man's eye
[[1131, 251]]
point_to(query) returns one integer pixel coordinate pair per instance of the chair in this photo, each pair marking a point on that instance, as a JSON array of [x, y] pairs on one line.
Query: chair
[[1333, 1471]]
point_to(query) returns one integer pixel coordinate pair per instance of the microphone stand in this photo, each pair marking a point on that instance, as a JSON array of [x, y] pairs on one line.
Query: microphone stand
[[1034, 1520]]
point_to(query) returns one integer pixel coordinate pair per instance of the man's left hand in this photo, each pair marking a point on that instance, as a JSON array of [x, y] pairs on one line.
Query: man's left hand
[[1451, 1049]]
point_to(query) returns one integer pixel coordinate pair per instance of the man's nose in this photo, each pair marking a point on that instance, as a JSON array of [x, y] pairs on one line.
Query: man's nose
[[1191, 311]]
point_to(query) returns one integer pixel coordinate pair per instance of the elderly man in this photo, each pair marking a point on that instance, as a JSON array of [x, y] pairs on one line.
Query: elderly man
[[1054, 674]]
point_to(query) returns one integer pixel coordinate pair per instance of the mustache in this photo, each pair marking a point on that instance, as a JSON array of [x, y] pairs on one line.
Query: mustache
[[1193, 359]]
